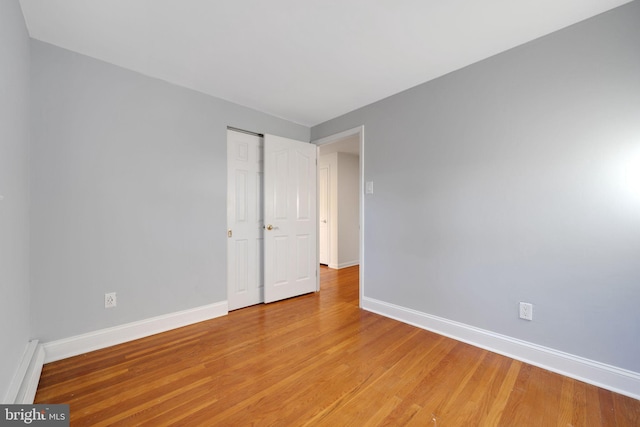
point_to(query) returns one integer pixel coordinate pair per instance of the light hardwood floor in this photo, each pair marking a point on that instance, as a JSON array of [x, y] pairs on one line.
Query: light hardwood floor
[[318, 360]]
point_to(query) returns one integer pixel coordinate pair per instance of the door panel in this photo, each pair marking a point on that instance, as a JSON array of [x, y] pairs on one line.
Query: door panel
[[304, 191], [280, 193], [303, 250], [281, 258], [241, 265], [244, 220], [290, 218]]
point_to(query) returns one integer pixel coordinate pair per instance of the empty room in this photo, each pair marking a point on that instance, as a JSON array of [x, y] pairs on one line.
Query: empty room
[[320, 212]]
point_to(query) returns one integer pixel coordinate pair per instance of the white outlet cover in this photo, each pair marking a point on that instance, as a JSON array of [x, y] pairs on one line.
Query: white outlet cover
[[110, 300], [526, 311]]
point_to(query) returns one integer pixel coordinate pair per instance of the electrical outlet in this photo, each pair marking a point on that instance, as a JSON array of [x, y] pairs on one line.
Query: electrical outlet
[[526, 311], [110, 300]]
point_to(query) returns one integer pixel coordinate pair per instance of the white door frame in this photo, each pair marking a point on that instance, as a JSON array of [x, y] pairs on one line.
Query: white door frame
[[359, 131]]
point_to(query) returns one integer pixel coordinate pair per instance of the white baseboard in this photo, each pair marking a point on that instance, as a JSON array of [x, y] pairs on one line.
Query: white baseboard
[[27, 392], [599, 374], [343, 265], [348, 264], [79, 344], [22, 389]]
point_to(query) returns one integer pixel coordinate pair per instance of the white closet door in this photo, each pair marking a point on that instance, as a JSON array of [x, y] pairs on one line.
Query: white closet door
[[290, 237], [244, 220]]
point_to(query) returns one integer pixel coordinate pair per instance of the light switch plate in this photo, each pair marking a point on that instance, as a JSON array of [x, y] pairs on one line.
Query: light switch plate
[[368, 187]]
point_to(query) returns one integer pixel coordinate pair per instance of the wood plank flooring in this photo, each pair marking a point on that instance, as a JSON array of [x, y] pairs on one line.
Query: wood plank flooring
[[318, 360]]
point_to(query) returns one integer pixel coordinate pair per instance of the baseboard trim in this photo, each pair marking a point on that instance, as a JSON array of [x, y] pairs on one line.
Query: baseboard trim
[[79, 344], [27, 392], [343, 265], [348, 264], [599, 374], [22, 389]]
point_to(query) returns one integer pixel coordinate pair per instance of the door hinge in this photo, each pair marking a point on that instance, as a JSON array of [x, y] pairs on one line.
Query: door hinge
[[229, 233]]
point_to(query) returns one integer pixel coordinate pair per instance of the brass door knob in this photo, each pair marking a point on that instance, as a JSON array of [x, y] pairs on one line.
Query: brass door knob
[[269, 227]]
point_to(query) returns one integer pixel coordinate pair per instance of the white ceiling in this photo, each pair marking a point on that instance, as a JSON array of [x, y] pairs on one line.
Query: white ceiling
[[303, 60]]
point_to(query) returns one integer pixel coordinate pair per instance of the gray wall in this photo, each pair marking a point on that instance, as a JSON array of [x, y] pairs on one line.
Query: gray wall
[[128, 186], [14, 186], [502, 182]]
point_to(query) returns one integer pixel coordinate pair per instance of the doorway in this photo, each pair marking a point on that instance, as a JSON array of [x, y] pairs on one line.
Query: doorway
[[341, 201]]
